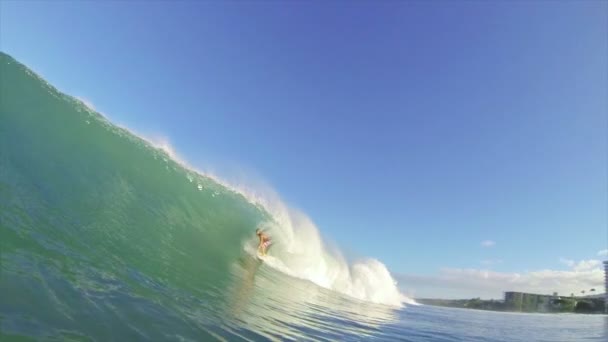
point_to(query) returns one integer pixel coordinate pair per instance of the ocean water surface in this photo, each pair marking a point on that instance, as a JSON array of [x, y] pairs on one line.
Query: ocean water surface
[[106, 237]]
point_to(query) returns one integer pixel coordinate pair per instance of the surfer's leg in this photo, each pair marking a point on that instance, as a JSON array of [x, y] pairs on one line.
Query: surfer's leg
[[265, 247]]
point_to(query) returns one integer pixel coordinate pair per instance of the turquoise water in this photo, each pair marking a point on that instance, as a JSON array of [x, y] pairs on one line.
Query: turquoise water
[[105, 237]]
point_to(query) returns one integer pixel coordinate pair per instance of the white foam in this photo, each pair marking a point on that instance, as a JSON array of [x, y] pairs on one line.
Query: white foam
[[303, 254]]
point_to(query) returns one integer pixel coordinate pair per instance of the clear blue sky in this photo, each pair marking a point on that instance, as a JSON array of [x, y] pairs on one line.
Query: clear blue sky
[[409, 132]]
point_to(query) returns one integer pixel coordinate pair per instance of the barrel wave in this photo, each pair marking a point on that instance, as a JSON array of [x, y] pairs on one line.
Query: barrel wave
[[106, 236]]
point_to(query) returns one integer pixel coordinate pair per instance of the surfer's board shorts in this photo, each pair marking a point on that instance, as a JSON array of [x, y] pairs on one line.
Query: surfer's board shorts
[[266, 243]]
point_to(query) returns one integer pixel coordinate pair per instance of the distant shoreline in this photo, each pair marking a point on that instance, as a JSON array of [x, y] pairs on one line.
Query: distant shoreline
[[582, 305]]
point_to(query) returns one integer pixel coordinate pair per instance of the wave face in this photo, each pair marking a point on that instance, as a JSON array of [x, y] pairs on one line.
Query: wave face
[[104, 235]]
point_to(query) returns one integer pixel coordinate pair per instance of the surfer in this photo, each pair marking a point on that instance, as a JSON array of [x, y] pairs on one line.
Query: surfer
[[264, 241]]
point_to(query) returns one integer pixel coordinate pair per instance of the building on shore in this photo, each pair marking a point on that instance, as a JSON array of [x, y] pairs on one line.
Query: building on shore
[[528, 302], [531, 302]]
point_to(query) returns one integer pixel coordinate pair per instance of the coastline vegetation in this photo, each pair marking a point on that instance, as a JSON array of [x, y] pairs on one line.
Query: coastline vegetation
[[584, 305]]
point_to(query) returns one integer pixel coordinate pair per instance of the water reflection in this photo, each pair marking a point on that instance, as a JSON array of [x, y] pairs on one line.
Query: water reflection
[[277, 306]]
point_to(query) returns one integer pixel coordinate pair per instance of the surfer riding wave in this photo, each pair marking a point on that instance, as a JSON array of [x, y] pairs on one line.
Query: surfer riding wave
[[265, 241]]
